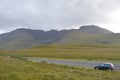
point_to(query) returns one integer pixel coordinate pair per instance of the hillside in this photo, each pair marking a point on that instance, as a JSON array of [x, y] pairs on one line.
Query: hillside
[[91, 35], [26, 38], [93, 29]]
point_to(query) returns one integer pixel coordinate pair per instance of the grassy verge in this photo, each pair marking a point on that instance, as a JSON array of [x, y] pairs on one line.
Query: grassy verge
[[17, 69]]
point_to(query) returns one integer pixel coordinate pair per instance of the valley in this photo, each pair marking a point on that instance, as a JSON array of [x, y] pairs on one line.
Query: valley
[[78, 49]]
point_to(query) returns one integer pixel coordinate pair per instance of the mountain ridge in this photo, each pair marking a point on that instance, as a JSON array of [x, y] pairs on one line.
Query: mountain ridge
[[25, 38], [94, 29]]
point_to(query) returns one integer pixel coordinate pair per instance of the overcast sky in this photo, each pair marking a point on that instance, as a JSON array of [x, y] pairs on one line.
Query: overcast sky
[[59, 14]]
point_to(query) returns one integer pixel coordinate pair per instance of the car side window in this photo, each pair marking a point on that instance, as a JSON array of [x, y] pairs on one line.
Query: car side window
[[106, 65], [102, 65]]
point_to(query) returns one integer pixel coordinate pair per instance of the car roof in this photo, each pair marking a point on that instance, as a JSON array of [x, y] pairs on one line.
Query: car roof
[[108, 63]]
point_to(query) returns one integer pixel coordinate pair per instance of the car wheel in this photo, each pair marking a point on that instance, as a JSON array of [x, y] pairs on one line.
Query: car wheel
[[96, 68], [110, 69]]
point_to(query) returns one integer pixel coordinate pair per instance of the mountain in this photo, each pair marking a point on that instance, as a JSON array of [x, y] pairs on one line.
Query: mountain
[[26, 38], [93, 29], [90, 34]]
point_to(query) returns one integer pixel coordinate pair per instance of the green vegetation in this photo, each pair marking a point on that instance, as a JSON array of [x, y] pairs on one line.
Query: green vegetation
[[17, 69], [77, 37], [87, 35], [79, 52], [14, 67]]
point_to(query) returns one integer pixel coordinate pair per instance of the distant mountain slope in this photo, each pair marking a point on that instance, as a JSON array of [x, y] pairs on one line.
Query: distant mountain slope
[[90, 35], [25, 38], [93, 29], [91, 39]]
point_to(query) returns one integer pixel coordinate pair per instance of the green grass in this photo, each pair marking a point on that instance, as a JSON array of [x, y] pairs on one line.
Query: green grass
[[14, 67], [79, 52], [17, 69]]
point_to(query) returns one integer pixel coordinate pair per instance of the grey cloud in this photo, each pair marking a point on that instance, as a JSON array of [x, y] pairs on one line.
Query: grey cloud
[[109, 5], [50, 14]]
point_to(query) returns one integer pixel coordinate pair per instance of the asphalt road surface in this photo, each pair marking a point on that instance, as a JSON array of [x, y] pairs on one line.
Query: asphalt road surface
[[86, 64]]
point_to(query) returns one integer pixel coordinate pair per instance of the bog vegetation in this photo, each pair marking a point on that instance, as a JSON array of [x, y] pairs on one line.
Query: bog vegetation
[[17, 69], [14, 67], [79, 52]]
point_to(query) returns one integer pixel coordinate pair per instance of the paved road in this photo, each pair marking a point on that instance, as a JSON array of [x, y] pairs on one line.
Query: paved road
[[87, 64]]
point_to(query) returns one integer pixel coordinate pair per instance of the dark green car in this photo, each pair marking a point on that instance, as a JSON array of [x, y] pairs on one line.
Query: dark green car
[[104, 66]]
